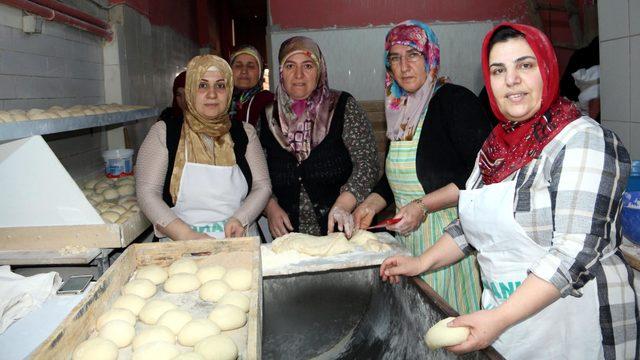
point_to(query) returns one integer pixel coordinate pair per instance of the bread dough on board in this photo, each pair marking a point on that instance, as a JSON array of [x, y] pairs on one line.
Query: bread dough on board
[[440, 335], [329, 245]]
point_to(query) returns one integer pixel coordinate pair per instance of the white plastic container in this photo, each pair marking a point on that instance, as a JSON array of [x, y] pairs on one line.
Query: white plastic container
[[118, 162]]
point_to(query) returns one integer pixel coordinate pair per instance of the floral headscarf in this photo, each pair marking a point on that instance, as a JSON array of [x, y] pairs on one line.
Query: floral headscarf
[[305, 123], [242, 96], [403, 109], [206, 140], [512, 145]]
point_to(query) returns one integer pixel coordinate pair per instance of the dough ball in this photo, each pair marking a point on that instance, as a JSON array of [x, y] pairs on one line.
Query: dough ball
[[181, 283], [214, 290], [228, 317], [217, 347], [102, 206], [156, 351], [183, 266], [102, 184], [133, 303], [152, 335], [126, 190], [189, 356], [87, 193], [110, 194], [122, 200], [129, 204], [123, 218], [110, 216], [154, 273], [95, 348], [238, 279], [43, 116], [175, 320], [196, 330], [89, 112], [20, 117], [5, 116], [141, 287], [440, 335], [116, 314], [62, 113], [236, 299], [90, 184], [134, 208], [153, 309], [118, 209], [127, 180], [55, 108], [207, 273], [119, 332]]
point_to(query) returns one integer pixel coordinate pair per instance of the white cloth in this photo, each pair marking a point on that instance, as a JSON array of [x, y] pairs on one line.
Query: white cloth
[[20, 295], [505, 254], [588, 81]]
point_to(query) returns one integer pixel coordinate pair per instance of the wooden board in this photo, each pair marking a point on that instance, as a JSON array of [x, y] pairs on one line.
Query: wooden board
[[47, 257], [631, 253], [80, 323]]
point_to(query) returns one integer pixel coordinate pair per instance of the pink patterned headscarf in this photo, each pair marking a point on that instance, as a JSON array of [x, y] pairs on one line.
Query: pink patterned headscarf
[[305, 123], [403, 110]]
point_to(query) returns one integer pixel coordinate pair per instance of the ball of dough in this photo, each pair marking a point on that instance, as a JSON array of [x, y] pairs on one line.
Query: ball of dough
[[116, 314], [217, 347], [196, 330], [5, 116], [214, 290], [207, 273], [440, 335], [156, 351], [110, 216], [189, 356], [154, 273], [141, 287], [175, 320], [181, 283], [238, 278], [187, 266], [126, 190], [102, 206], [110, 194], [228, 317], [90, 184], [129, 204], [236, 299], [118, 209], [95, 348], [153, 334], [119, 332], [153, 309], [133, 303]]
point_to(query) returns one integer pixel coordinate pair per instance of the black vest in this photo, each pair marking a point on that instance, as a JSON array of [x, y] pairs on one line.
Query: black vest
[[240, 141], [327, 168]]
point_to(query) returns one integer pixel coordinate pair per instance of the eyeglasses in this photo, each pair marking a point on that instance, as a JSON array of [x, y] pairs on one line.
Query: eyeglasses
[[411, 56]]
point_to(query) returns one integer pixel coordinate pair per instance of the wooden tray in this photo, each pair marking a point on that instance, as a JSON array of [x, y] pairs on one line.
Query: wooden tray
[[80, 323]]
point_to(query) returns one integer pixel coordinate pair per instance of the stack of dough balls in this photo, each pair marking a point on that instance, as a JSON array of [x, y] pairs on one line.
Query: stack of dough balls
[[56, 112], [162, 325], [114, 199]]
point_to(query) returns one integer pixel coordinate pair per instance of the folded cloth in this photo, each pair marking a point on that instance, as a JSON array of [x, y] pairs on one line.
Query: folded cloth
[[20, 294], [588, 81]]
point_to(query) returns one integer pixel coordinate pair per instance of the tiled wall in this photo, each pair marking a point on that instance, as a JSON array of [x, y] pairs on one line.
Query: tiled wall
[[619, 27]]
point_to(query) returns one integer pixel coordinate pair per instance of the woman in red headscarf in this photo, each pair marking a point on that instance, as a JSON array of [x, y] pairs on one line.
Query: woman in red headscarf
[[541, 211]]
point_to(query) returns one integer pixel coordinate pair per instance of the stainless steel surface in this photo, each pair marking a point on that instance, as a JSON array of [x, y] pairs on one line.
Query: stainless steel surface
[[347, 314]]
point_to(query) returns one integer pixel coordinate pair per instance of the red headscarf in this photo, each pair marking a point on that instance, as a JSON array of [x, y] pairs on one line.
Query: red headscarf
[[511, 145]]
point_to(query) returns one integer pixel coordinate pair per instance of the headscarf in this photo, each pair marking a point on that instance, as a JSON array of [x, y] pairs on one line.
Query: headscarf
[[403, 109], [207, 140], [512, 145], [241, 96], [178, 82], [305, 123]]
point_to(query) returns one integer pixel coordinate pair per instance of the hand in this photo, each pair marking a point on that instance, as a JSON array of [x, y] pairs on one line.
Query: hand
[[393, 267], [279, 223], [484, 328], [233, 228], [342, 218], [412, 217], [363, 216], [194, 235]]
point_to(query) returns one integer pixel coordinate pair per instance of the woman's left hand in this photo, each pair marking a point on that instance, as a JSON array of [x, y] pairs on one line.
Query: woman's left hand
[[484, 328], [233, 228], [412, 217]]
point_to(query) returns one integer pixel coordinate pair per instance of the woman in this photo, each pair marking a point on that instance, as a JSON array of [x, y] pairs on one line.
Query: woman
[[204, 177], [542, 212], [319, 149], [436, 130], [178, 105], [249, 99]]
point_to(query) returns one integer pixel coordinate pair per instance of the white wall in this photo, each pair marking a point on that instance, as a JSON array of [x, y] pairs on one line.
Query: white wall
[[355, 56]]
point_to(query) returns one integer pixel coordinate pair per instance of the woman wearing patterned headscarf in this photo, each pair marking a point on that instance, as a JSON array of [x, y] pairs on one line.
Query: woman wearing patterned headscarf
[[436, 130], [319, 149], [541, 209], [249, 99], [206, 176]]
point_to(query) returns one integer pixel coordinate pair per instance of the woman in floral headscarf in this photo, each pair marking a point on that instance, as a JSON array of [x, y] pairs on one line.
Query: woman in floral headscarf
[[249, 98], [319, 149], [436, 130]]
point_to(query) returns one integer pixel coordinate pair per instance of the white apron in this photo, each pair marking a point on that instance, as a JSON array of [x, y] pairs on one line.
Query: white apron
[[567, 329], [209, 195]]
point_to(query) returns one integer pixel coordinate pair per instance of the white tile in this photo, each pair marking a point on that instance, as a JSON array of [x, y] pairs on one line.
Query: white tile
[[39, 44], [55, 66], [613, 19], [10, 16], [621, 128], [38, 87], [18, 63], [614, 79], [6, 37], [634, 76], [634, 17], [634, 146], [7, 86]]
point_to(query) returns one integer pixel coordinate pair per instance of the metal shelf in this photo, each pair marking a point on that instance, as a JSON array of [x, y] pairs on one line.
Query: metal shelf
[[21, 129]]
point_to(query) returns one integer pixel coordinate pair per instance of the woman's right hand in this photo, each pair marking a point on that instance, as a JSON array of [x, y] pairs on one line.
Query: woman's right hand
[[364, 213], [394, 267], [279, 223]]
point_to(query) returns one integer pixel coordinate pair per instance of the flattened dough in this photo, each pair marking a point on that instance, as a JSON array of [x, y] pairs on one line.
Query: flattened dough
[[332, 244]]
